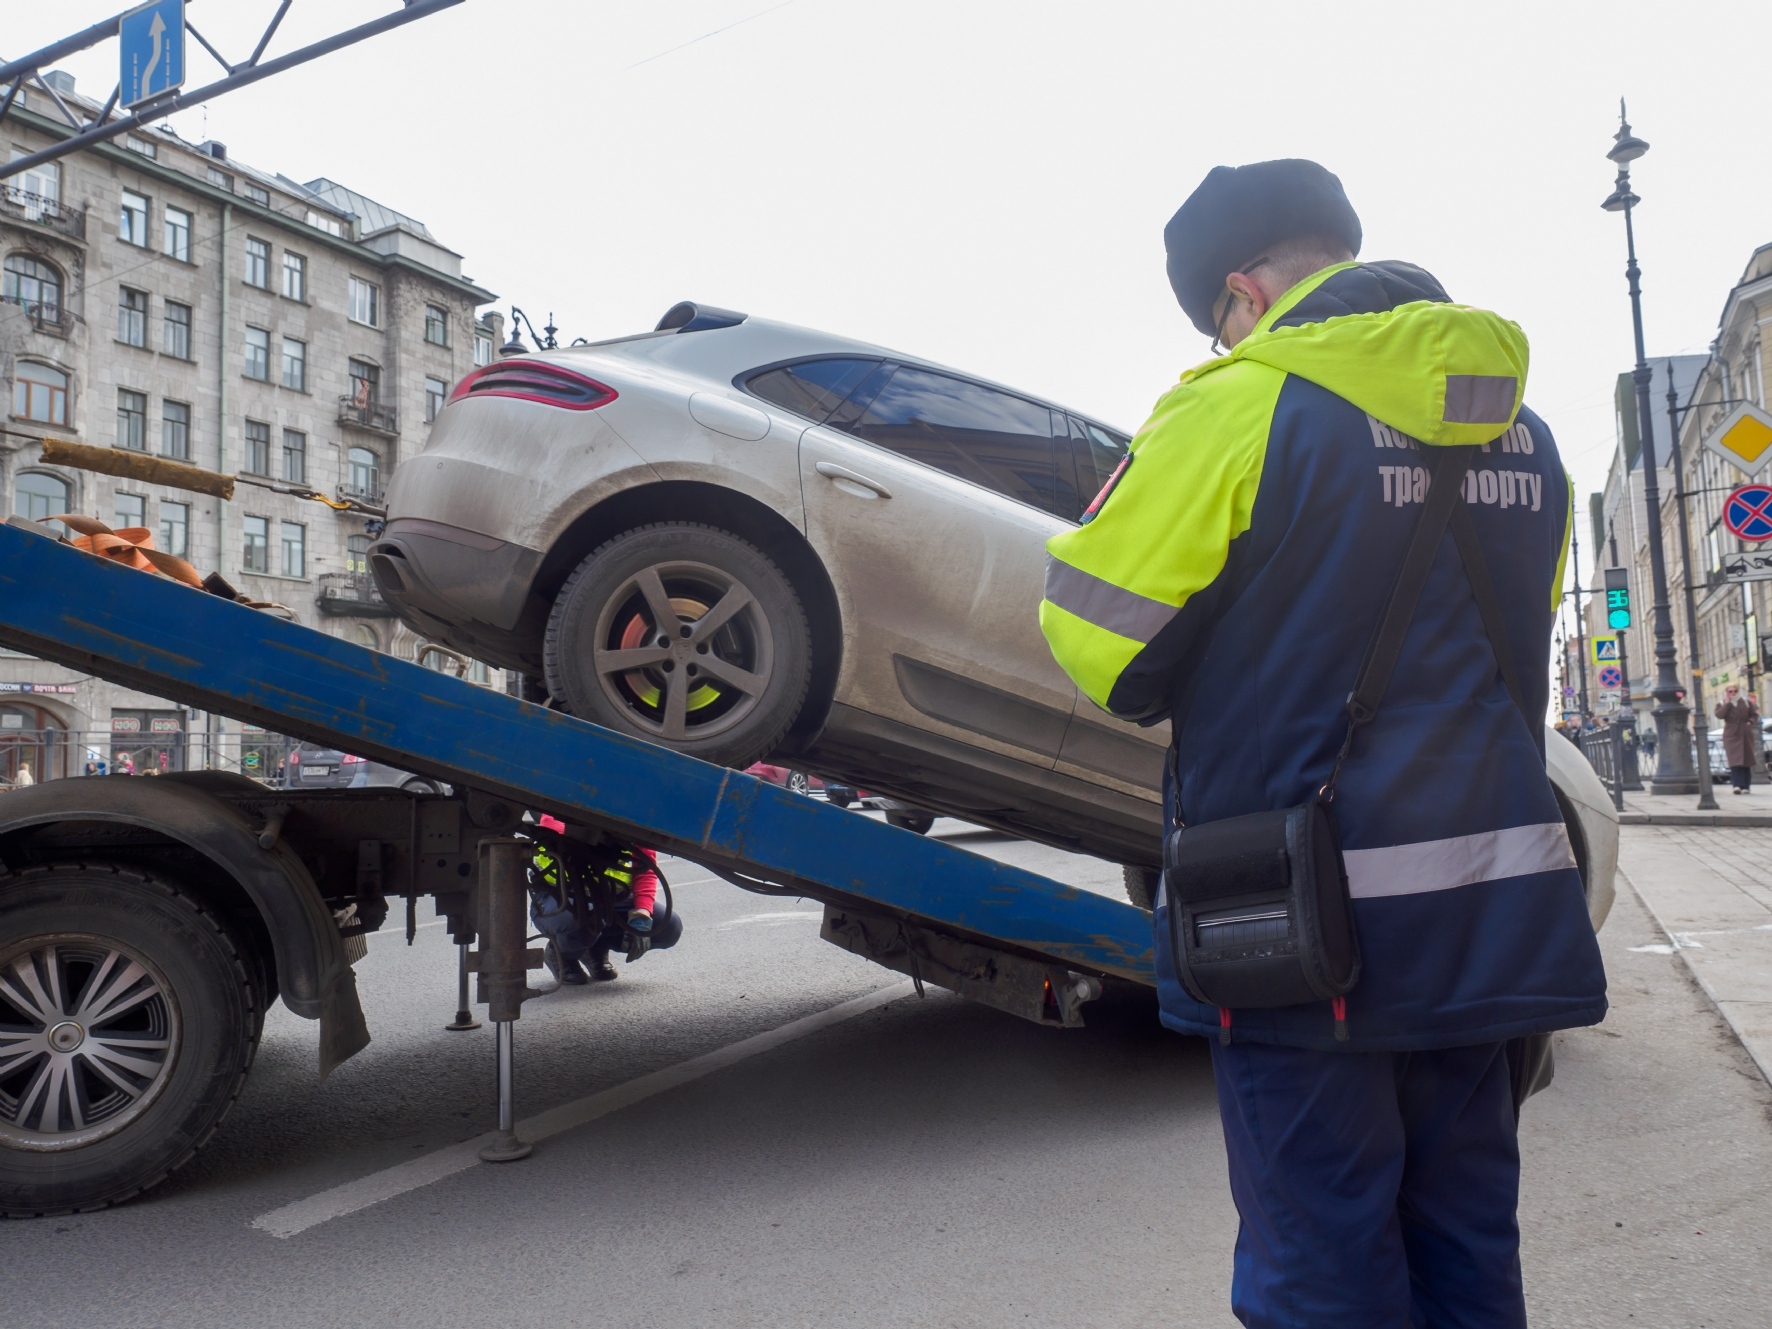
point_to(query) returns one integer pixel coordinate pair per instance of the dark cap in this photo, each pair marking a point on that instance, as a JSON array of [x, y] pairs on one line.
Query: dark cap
[[1237, 212]]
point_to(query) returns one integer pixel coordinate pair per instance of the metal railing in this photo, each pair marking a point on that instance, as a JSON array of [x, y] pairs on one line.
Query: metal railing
[[373, 416], [57, 320], [1609, 754], [51, 214], [58, 754], [352, 594]]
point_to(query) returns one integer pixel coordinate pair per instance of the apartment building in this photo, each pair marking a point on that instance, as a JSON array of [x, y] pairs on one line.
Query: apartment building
[[168, 298]]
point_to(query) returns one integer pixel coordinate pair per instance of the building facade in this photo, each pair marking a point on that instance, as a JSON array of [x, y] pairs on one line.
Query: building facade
[[1732, 616], [164, 297]]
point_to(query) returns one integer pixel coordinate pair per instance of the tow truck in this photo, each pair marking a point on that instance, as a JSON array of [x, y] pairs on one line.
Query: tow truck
[[147, 924]]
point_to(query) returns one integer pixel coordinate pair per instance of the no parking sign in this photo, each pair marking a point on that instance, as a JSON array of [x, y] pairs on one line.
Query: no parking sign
[[1611, 678], [1747, 512]]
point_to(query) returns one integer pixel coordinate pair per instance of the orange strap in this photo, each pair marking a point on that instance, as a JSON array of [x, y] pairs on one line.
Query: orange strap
[[133, 545]]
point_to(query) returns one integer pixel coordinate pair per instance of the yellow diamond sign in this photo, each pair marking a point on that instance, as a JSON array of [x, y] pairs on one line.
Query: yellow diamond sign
[[1744, 438]]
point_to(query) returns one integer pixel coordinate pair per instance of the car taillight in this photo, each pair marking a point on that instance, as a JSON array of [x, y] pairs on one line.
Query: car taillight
[[346, 759], [535, 380], [295, 756]]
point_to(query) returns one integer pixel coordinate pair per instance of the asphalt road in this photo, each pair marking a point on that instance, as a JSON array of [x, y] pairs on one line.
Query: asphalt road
[[923, 1163]]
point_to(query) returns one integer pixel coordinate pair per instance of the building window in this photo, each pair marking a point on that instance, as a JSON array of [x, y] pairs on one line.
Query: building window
[[365, 383], [175, 430], [258, 448], [38, 496], [362, 471], [482, 349], [132, 220], [175, 330], [255, 553], [436, 392], [258, 262], [295, 276], [177, 229], [295, 364], [295, 456], [175, 528], [365, 303], [140, 145], [294, 538], [132, 420], [33, 284], [35, 187], [321, 222], [436, 326], [357, 554], [131, 510], [258, 354], [132, 316], [220, 179], [258, 194], [40, 393]]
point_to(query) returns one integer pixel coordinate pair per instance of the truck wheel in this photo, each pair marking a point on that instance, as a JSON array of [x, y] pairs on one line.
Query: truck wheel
[[128, 1021], [682, 635], [1141, 886]]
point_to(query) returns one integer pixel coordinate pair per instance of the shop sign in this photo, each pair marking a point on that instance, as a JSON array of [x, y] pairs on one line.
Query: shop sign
[[125, 724], [39, 687]]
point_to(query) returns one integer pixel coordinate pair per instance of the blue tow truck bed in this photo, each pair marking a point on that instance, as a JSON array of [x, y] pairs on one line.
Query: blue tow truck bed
[[247, 855]]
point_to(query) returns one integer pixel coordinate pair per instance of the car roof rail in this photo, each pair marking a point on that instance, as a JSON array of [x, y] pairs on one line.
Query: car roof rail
[[687, 316]]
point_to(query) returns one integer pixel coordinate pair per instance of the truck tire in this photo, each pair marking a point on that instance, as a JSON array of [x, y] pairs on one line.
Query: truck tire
[[128, 1020], [1141, 886], [623, 649]]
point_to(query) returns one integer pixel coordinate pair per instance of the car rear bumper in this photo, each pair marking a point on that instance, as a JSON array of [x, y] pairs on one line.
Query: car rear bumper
[[456, 586]]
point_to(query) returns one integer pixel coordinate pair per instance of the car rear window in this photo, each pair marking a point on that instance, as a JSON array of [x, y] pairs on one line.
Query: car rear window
[[991, 438], [1098, 453], [812, 388]]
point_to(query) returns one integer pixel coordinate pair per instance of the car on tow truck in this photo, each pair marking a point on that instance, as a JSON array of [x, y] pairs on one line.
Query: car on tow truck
[[743, 539]]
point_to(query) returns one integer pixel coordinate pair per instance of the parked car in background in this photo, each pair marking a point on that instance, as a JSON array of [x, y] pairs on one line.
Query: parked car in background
[[746, 540], [311, 766], [797, 781]]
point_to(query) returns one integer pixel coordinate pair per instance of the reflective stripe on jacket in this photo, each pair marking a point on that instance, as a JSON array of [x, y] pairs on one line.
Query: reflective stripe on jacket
[[1231, 582]]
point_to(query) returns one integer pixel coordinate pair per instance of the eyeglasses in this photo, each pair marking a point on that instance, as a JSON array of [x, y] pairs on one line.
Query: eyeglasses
[[1229, 304]]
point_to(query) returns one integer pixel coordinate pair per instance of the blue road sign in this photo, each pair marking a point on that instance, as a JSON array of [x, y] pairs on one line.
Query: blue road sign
[[1747, 512], [1610, 678], [152, 51]]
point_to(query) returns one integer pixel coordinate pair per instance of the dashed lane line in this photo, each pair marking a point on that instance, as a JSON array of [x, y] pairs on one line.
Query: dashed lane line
[[300, 1215]]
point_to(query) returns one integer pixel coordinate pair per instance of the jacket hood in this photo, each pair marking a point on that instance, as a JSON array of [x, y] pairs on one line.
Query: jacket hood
[[1385, 337]]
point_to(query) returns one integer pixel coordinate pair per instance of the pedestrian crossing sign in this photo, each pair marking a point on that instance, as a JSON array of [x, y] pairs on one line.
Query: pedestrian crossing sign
[[1605, 650]]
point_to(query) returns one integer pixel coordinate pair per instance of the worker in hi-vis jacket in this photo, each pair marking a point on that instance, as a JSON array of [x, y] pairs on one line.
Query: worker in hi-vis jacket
[[1229, 581]]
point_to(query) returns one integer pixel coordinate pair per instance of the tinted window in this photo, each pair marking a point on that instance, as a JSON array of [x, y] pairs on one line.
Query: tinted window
[[974, 432], [1098, 453], [813, 388]]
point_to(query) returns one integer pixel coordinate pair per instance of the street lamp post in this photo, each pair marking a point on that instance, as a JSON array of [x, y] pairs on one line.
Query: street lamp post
[[1673, 744], [1707, 798]]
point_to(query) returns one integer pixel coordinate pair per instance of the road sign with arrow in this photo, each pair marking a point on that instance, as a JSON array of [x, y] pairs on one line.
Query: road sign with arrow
[[151, 51]]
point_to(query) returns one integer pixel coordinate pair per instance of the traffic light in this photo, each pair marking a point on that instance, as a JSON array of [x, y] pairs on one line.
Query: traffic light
[[1618, 597]]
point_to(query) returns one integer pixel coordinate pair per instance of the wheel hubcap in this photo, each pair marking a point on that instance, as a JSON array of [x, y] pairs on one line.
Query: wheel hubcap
[[89, 1033], [685, 650]]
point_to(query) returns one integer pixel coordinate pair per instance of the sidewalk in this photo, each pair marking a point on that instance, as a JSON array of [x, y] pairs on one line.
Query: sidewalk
[[1753, 808], [1711, 893]]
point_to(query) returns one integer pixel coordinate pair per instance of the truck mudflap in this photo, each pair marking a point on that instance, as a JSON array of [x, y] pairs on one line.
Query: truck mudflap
[[314, 976]]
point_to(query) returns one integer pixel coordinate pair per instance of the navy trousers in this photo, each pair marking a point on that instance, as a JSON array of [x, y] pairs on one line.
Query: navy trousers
[[1377, 1189]]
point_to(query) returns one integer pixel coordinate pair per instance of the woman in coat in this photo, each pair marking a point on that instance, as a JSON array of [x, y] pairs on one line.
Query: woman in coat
[[1741, 730]]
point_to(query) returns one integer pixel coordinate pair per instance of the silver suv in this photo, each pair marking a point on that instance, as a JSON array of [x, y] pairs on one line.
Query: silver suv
[[741, 538]]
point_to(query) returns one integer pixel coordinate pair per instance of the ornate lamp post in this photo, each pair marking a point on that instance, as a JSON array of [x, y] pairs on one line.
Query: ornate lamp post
[[1673, 743]]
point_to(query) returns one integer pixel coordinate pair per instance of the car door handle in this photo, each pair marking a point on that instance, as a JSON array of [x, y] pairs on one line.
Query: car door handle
[[831, 471]]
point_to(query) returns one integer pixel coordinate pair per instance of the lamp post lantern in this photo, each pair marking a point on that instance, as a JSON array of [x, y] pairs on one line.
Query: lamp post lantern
[[1673, 743]]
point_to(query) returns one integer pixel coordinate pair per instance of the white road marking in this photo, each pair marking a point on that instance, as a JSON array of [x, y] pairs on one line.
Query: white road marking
[[300, 1215], [777, 916], [1682, 941]]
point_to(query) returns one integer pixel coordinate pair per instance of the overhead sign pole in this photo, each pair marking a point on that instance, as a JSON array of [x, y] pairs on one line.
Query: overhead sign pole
[[165, 104]]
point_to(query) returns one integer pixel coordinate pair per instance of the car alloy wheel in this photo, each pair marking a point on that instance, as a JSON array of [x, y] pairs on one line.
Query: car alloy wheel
[[799, 782], [684, 635], [89, 1034]]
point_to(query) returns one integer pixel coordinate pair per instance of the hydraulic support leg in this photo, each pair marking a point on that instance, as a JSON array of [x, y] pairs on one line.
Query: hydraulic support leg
[[464, 1017], [503, 962]]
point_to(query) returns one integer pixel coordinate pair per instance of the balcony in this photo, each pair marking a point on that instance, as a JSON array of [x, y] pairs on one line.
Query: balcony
[[370, 493], [368, 415], [20, 205], [351, 595], [55, 320]]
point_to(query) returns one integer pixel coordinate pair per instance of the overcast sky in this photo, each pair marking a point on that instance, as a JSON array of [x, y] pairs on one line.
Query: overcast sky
[[986, 183]]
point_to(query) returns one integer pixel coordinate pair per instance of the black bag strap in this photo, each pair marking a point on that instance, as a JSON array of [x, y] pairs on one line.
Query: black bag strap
[[1443, 495], [1464, 534]]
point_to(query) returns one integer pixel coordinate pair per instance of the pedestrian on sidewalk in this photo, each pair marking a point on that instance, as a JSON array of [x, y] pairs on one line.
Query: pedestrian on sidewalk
[[1741, 730], [1270, 500]]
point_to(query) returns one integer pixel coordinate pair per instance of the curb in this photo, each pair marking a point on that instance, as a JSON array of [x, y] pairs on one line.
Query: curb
[[1737, 819]]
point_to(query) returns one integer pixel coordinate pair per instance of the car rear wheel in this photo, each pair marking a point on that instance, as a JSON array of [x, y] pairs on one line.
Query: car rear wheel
[[1141, 886], [799, 782], [128, 1020], [914, 820], [686, 636]]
